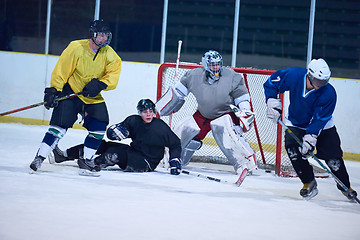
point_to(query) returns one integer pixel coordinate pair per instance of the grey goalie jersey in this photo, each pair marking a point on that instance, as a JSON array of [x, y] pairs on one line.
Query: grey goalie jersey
[[214, 99]]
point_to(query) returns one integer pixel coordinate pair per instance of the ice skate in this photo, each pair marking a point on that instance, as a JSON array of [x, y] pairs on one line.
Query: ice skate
[[309, 190], [36, 163], [57, 156], [88, 168], [351, 195]]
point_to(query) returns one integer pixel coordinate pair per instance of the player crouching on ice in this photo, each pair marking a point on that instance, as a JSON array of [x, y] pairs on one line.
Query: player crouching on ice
[[149, 137], [312, 103], [215, 89]]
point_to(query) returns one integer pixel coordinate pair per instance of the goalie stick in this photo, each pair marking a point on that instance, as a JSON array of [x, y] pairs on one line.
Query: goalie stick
[[39, 104], [237, 183], [176, 71], [337, 180]]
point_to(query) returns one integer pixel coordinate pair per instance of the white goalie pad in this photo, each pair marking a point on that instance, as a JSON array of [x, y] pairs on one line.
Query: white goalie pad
[[186, 130], [170, 102], [232, 144]]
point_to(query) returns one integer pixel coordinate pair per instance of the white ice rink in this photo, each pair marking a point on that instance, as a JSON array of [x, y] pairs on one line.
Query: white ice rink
[[58, 204]]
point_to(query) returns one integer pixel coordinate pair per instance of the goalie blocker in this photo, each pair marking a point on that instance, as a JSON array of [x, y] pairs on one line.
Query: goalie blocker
[[171, 101]]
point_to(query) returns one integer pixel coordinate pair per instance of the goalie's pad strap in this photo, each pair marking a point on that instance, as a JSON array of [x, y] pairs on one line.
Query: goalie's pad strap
[[170, 102], [186, 130], [234, 146]]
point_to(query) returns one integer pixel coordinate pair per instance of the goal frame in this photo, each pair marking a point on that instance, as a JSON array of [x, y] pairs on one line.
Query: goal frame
[[245, 72]]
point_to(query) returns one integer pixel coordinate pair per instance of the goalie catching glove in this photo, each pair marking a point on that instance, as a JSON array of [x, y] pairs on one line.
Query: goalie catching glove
[[246, 118], [308, 144], [117, 132], [175, 166], [274, 109]]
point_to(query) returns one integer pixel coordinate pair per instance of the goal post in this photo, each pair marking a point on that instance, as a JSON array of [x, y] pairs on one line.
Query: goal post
[[265, 138]]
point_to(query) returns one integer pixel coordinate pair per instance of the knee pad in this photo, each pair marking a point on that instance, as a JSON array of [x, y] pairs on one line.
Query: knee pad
[[186, 130], [335, 164], [189, 150], [293, 153], [94, 125]]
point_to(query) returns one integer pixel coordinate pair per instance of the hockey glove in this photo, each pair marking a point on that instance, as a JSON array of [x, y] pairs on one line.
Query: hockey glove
[[93, 88], [50, 95], [246, 118], [308, 144], [273, 110], [117, 132], [175, 166]]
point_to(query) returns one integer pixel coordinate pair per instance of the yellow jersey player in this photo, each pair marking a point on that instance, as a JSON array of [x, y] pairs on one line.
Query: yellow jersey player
[[88, 66]]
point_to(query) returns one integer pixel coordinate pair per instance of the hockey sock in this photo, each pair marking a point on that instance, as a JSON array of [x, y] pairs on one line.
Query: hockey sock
[[92, 143], [50, 140], [93, 140]]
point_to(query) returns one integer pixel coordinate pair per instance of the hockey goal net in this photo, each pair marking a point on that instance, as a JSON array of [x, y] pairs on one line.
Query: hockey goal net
[[266, 138]]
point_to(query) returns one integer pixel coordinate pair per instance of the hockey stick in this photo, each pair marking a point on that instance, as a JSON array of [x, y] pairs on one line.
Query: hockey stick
[[337, 180], [40, 104], [176, 71], [237, 183]]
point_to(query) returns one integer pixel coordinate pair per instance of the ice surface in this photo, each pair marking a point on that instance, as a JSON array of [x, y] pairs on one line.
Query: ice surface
[[57, 203]]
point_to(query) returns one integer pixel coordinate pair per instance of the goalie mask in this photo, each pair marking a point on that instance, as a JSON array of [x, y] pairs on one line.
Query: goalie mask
[[145, 104], [318, 72], [213, 64], [99, 29]]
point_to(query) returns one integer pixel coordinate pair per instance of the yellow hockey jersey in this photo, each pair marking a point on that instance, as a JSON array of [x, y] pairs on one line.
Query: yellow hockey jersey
[[77, 66]]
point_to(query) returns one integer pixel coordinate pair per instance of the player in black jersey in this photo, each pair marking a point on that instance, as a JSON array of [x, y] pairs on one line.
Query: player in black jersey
[[149, 137]]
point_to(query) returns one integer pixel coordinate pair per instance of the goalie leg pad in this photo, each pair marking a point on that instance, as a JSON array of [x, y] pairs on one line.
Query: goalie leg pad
[[233, 145], [189, 150], [186, 130], [170, 102]]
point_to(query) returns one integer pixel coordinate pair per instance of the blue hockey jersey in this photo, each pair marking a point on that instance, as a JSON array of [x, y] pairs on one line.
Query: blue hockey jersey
[[310, 110]]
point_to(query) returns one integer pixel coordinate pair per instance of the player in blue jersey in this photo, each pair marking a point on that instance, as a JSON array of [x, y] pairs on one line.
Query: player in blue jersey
[[312, 103]]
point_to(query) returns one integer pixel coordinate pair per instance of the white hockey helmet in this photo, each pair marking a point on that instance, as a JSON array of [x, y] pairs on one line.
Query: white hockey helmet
[[213, 63], [318, 72]]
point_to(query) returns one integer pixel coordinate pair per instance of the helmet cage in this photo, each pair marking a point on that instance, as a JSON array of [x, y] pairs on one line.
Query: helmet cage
[[213, 64], [99, 28], [102, 44]]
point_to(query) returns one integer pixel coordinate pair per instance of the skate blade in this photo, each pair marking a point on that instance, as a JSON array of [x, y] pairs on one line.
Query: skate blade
[[85, 172], [313, 194], [51, 158]]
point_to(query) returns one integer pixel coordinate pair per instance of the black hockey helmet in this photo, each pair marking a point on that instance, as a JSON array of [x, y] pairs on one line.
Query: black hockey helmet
[[99, 26], [145, 104]]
